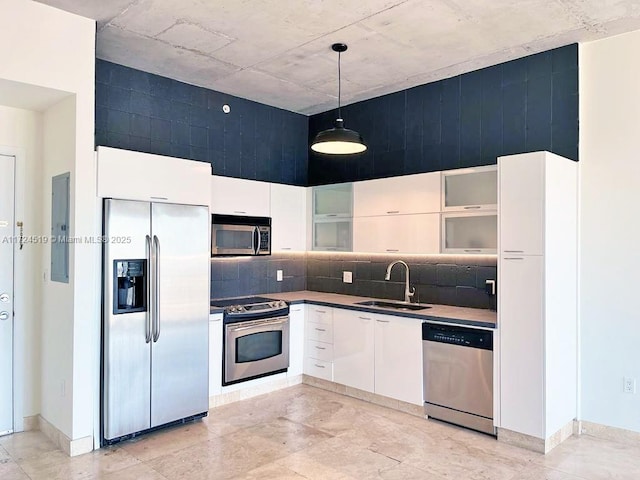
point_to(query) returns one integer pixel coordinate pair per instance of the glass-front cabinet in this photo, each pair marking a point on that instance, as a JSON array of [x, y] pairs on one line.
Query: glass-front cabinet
[[470, 189], [470, 232], [470, 210], [333, 217]]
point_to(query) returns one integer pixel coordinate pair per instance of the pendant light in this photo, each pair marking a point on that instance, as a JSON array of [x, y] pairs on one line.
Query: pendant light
[[338, 140]]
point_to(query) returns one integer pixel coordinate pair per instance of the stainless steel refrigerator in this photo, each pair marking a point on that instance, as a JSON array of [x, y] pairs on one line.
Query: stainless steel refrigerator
[[155, 349]]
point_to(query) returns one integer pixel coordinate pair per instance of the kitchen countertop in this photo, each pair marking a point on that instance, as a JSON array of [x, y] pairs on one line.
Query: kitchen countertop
[[440, 313]]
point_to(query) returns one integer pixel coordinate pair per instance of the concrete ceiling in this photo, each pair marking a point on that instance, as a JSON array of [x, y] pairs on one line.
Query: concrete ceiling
[[278, 51]]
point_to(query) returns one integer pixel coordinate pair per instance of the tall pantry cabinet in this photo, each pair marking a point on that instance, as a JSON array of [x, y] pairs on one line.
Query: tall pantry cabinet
[[537, 298]]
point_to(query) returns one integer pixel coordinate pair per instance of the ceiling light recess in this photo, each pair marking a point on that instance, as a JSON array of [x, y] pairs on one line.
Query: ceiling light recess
[[338, 140]]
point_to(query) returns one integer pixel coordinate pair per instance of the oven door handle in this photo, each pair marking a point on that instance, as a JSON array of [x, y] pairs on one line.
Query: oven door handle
[[268, 323]]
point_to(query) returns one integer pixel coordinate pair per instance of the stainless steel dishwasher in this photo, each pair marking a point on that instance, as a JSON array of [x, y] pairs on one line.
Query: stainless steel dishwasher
[[458, 375]]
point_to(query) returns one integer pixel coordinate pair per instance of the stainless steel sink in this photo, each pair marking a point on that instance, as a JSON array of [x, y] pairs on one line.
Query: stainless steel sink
[[392, 304]]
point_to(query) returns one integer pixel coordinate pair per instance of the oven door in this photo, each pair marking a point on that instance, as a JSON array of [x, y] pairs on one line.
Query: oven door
[[256, 348]]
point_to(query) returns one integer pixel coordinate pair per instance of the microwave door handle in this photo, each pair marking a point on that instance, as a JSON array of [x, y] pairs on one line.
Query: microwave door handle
[[256, 240]]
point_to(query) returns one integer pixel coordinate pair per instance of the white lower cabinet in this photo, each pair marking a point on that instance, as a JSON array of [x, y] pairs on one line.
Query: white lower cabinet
[[398, 358], [296, 340], [353, 349], [215, 354], [318, 335], [381, 354]]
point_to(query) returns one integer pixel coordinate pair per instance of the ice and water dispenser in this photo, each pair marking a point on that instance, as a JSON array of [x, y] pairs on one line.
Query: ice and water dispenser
[[130, 284]]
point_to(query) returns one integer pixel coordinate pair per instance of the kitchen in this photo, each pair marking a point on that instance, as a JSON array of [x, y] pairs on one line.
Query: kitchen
[[593, 299]]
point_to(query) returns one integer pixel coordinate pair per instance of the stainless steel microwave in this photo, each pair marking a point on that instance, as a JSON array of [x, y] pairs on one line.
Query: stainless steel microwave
[[239, 235]]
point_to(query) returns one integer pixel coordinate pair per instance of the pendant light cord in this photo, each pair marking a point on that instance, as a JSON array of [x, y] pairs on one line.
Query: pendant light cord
[[339, 89]]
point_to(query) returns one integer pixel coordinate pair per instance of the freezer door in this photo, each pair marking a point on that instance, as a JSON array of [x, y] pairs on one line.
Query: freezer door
[[126, 361], [180, 346]]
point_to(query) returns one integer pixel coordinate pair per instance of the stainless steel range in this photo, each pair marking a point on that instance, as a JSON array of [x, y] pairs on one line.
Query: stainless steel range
[[256, 338]]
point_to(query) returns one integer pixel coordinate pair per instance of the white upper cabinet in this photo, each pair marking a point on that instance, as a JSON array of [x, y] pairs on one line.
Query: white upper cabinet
[[236, 196], [469, 189], [522, 211], [417, 233], [153, 178], [288, 218], [408, 194]]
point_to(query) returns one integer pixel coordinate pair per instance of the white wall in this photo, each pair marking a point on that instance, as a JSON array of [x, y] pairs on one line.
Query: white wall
[[57, 330], [47, 48], [21, 131], [610, 229]]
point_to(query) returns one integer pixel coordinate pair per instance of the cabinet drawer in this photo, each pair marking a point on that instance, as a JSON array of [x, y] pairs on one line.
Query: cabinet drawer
[[319, 332], [318, 368], [322, 315], [319, 350]]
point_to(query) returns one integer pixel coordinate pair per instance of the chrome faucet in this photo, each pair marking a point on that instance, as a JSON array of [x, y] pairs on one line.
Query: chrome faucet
[[408, 292]]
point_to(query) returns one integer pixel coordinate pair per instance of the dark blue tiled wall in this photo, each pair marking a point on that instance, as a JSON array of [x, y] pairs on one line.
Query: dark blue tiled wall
[[520, 106], [140, 111]]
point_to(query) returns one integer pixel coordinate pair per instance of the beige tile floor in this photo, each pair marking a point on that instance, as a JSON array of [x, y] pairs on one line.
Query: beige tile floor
[[307, 433]]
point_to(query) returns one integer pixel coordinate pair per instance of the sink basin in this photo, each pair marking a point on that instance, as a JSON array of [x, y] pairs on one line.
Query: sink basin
[[392, 304]]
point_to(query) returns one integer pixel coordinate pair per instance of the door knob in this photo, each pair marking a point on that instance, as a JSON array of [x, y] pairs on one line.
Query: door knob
[[4, 315], [4, 297]]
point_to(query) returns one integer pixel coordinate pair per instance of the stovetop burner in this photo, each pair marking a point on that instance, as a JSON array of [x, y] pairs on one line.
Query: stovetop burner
[[240, 301], [250, 308]]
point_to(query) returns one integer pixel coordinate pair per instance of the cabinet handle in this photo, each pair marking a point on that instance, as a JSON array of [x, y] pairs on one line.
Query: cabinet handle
[[332, 214], [285, 248], [321, 311], [321, 329], [382, 321], [239, 211], [319, 366], [364, 318], [392, 250], [215, 320], [393, 211], [320, 348], [472, 250], [513, 251], [513, 258], [159, 198], [474, 207]]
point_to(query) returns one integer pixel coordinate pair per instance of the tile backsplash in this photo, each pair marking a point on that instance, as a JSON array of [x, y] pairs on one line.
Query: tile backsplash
[[240, 276], [443, 279]]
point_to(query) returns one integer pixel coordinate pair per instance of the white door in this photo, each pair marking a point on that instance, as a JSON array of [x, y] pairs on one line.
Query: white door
[[7, 175]]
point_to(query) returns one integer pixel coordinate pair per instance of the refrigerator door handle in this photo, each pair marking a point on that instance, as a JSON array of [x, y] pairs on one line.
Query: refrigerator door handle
[[149, 313], [156, 300]]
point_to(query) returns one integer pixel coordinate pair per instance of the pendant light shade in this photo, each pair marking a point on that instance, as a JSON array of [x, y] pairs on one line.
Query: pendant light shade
[[338, 140]]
